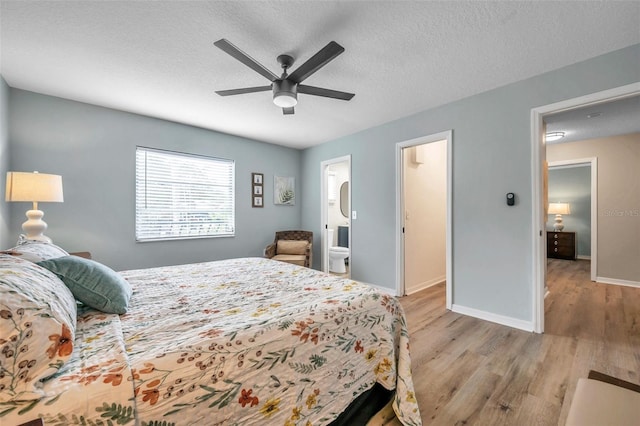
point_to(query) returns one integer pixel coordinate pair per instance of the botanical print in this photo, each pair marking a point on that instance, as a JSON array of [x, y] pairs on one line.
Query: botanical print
[[37, 327], [97, 372], [240, 341], [284, 190]]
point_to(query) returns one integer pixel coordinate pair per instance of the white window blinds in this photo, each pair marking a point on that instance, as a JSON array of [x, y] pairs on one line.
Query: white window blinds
[[183, 196]]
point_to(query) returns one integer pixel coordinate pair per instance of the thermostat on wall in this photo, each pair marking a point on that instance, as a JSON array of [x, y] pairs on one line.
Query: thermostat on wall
[[511, 198]]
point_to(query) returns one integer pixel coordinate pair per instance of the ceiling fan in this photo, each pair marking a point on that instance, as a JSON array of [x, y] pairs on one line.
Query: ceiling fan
[[286, 87]]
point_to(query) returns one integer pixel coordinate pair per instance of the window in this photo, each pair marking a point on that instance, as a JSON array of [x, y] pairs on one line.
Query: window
[[183, 196]]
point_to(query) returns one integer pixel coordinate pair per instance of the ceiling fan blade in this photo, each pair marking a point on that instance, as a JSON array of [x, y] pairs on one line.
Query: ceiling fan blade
[[225, 45], [288, 111], [242, 91], [317, 61], [327, 93]]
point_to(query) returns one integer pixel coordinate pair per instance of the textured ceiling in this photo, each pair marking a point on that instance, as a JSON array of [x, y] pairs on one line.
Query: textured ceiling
[[157, 57], [620, 117]]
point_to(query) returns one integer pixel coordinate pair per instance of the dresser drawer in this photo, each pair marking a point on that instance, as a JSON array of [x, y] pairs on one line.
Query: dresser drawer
[[561, 245]]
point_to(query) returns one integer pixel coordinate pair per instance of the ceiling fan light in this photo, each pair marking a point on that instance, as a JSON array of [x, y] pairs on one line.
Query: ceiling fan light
[[285, 100], [285, 94]]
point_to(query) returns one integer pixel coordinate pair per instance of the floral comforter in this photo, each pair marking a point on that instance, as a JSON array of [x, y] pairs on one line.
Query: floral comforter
[[237, 342]]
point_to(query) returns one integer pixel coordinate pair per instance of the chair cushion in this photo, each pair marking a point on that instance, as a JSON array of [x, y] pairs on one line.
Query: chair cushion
[[291, 258], [599, 403], [298, 247]]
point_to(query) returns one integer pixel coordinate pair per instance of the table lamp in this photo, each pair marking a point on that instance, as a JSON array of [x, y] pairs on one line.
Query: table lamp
[[36, 188]]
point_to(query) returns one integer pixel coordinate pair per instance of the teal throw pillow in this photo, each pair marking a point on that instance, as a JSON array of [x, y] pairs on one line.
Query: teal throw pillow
[[92, 283]]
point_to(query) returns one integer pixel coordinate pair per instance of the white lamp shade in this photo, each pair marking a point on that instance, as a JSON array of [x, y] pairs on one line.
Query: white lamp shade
[[559, 208], [34, 187]]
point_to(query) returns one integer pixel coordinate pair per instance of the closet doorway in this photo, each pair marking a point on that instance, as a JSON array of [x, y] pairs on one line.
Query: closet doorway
[[423, 200]]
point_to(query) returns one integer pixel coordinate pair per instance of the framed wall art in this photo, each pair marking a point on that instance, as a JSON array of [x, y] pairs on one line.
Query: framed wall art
[[284, 190], [257, 190]]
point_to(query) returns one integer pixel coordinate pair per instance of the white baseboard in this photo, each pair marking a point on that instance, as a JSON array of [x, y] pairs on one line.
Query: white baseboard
[[389, 291], [488, 316], [581, 257], [425, 284], [605, 280]]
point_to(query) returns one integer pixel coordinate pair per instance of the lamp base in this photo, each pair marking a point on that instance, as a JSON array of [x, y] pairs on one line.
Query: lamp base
[[558, 226], [34, 227]]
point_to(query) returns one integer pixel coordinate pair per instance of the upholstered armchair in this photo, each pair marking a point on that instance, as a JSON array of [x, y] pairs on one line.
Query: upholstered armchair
[[292, 247]]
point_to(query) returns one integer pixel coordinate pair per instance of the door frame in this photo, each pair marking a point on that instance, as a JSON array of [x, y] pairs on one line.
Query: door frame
[[592, 162], [324, 210], [447, 136], [538, 159]]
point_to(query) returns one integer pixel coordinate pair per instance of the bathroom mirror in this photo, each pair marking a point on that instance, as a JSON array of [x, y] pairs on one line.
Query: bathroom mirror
[[344, 199]]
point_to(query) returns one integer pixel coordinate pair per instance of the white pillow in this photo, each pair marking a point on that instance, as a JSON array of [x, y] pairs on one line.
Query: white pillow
[[24, 256], [37, 327], [36, 251]]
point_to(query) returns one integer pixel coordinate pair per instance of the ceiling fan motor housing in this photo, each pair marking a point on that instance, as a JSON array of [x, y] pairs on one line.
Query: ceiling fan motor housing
[[285, 93], [285, 89]]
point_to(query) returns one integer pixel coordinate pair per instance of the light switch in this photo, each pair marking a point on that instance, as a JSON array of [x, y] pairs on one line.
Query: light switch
[[354, 215]]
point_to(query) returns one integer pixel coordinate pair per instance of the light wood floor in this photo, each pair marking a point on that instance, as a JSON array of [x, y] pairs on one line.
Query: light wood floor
[[472, 372]]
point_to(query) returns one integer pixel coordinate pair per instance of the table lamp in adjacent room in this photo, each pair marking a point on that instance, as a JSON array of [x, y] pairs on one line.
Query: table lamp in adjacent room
[[559, 209], [36, 188]]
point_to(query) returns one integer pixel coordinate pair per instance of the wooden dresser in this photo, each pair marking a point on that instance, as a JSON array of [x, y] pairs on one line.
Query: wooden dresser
[[85, 254], [561, 245]]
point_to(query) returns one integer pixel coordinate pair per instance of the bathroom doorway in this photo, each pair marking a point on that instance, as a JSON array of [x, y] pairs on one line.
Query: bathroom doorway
[[336, 216], [423, 201]]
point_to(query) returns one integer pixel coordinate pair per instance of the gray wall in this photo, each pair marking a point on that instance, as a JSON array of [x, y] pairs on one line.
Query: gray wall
[[5, 237], [93, 148], [573, 185], [492, 243]]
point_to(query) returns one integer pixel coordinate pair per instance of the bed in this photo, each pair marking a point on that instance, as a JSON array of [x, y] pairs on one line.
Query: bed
[[234, 342]]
